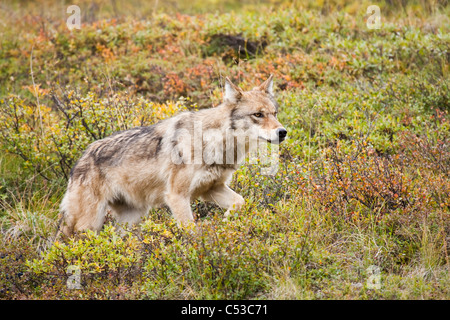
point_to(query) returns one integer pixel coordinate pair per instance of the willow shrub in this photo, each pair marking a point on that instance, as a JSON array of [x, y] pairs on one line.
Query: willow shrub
[[50, 138]]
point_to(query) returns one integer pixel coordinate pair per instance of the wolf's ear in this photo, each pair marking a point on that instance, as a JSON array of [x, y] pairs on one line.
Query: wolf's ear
[[267, 85], [232, 92]]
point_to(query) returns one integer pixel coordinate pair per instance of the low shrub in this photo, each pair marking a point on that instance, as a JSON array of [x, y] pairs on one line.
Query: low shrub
[[50, 139]]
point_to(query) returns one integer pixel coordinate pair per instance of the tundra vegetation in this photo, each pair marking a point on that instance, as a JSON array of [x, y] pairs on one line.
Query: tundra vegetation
[[358, 209]]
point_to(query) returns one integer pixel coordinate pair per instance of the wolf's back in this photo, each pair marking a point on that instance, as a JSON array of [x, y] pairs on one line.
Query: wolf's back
[[140, 143]]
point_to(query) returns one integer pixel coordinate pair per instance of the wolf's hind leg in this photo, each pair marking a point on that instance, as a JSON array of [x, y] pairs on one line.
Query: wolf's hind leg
[[81, 211], [225, 198], [83, 217]]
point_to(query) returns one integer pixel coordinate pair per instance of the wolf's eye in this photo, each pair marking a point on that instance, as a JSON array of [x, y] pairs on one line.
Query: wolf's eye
[[258, 115]]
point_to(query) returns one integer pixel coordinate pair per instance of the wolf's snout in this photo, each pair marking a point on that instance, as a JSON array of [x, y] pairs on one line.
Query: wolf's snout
[[281, 133]]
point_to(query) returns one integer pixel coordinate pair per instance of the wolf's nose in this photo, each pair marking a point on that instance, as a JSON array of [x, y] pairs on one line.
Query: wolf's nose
[[282, 133]]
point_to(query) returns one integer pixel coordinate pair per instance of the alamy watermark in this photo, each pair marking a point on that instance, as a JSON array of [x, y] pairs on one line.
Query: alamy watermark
[[74, 279], [374, 279], [226, 147], [374, 20], [74, 20]]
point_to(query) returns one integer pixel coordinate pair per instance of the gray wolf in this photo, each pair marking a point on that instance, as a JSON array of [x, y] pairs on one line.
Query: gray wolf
[[191, 155]]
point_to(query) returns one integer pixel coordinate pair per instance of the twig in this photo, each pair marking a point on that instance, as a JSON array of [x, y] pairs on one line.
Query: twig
[[34, 86]]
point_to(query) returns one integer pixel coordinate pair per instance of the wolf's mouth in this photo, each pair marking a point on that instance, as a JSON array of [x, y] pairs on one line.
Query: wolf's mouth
[[276, 141]]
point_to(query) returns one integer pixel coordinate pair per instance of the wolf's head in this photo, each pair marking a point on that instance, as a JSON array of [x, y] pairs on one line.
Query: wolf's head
[[254, 112]]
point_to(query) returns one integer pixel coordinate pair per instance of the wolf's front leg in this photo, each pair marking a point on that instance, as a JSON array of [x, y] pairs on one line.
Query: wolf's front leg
[[225, 198], [180, 206]]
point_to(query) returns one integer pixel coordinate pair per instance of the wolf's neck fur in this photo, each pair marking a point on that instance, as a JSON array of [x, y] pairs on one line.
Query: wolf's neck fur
[[216, 124]]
